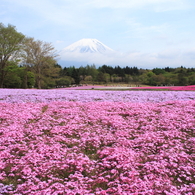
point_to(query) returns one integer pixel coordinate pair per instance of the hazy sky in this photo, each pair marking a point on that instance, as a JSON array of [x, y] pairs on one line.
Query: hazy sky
[[146, 33]]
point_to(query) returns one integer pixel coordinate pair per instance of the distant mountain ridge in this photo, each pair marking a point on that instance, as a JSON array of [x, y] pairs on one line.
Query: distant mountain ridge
[[88, 46]]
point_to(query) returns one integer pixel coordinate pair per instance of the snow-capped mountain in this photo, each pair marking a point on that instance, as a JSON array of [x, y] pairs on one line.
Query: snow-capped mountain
[[88, 46], [87, 51]]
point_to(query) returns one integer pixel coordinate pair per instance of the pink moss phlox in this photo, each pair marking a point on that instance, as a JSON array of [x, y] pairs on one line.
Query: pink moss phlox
[[108, 147], [48, 96]]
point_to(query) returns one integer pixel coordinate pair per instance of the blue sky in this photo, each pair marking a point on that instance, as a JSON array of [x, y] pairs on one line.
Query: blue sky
[[146, 33]]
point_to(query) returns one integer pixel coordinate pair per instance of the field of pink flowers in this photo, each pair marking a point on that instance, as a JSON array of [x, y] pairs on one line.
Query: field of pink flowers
[[56, 142], [173, 88]]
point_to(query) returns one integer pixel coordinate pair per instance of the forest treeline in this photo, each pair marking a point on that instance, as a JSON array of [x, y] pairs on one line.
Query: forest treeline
[[27, 63], [55, 76]]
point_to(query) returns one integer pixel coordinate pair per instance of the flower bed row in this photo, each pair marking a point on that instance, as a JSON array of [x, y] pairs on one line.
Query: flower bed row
[[87, 148], [32, 95], [173, 88]]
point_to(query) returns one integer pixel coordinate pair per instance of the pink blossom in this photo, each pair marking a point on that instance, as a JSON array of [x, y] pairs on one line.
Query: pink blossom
[[98, 147]]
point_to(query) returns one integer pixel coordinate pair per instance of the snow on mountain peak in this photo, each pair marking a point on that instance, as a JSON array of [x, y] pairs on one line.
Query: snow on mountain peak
[[88, 46]]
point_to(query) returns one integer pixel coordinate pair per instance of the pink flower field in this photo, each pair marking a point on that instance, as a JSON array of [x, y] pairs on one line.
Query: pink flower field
[[65, 142], [173, 88]]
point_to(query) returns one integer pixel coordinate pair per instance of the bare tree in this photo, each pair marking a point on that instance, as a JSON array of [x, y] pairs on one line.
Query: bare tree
[[39, 55]]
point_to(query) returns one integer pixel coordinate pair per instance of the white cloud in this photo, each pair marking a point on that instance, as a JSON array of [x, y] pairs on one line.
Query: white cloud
[[141, 29], [129, 25], [58, 12], [169, 57], [78, 14], [67, 11], [59, 42], [158, 5]]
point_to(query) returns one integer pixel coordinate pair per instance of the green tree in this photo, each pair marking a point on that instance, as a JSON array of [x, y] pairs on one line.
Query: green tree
[[128, 78], [192, 79], [120, 72], [83, 73], [11, 43], [75, 75], [40, 56], [12, 78], [16, 75], [92, 71], [101, 77], [143, 78], [158, 71], [30, 79], [64, 81]]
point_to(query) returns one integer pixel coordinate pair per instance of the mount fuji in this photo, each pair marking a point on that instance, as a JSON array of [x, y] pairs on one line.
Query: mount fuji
[[88, 46], [87, 51]]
